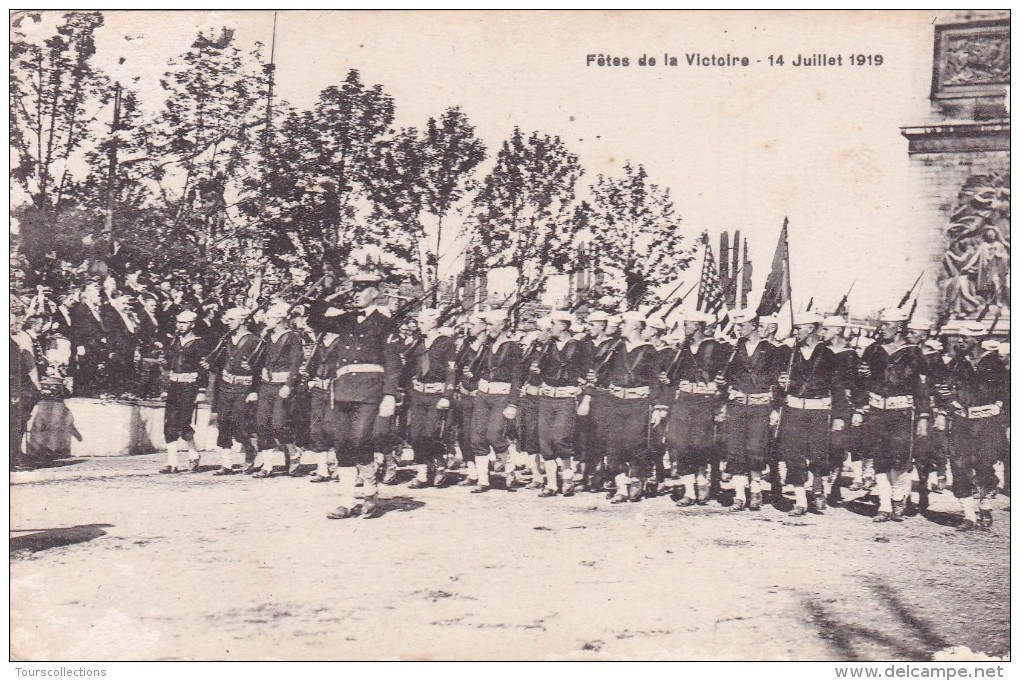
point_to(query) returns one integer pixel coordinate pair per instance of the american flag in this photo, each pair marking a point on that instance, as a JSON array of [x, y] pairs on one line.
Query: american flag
[[711, 294]]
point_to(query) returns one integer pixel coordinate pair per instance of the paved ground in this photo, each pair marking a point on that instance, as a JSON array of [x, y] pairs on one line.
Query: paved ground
[[111, 561]]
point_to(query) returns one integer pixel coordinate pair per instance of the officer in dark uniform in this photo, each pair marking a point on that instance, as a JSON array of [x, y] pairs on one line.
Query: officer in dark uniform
[[280, 357], [975, 395], [186, 379], [363, 388], [431, 372], [562, 367], [236, 389]]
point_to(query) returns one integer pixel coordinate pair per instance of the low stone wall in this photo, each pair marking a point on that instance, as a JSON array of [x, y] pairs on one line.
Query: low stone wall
[[82, 427]]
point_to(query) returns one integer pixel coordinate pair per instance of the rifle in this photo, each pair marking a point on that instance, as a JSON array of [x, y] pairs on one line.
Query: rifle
[[256, 353], [404, 309], [680, 300], [910, 291], [662, 302], [841, 308]]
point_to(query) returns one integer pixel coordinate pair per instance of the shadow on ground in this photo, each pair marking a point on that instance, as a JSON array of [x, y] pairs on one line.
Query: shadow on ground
[[906, 635], [41, 540]]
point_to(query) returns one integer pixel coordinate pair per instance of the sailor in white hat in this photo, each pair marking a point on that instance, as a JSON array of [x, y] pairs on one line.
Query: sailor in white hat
[[468, 357], [814, 395], [690, 430], [185, 389], [749, 375], [600, 342], [562, 367], [234, 389], [898, 410], [500, 378], [432, 367], [976, 393], [850, 439]]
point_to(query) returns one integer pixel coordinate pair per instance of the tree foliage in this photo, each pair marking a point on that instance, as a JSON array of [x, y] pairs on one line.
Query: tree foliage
[[636, 239]]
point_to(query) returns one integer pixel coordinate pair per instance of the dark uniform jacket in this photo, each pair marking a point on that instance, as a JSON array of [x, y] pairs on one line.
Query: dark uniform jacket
[[967, 384], [503, 363], [754, 373], [816, 377], [469, 358], [281, 359], [321, 366], [365, 339], [899, 372], [632, 366], [434, 363], [566, 366], [235, 359], [184, 357], [848, 362]]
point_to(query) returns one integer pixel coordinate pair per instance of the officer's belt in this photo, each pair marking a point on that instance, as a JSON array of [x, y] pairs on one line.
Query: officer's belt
[[359, 369], [809, 402], [530, 390], [275, 377], [876, 401], [983, 412], [751, 400], [493, 387], [629, 393], [428, 388], [559, 391], [234, 379], [319, 383], [698, 388], [183, 378]]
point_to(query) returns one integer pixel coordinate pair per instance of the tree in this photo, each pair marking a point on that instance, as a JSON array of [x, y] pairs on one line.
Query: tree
[[205, 140], [635, 235], [421, 178], [55, 97], [522, 213]]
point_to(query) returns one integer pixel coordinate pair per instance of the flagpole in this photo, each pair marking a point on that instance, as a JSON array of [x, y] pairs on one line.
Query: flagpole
[[789, 271]]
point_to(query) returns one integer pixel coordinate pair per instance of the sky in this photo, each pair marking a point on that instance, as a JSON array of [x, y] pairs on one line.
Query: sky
[[739, 147]]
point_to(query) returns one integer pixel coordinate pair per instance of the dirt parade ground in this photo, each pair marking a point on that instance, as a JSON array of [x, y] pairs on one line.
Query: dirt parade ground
[[110, 561]]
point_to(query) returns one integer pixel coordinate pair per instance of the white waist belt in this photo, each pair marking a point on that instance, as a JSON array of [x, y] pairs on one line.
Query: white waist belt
[[562, 391], [531, 390], [320, 383], [698, 388], [359, 369], [428, 388], [629, 393], [493, 387], [183, 378], [893, 402], [809, 402], [275, 376], [233, 379], [752, 399], [982, 412]]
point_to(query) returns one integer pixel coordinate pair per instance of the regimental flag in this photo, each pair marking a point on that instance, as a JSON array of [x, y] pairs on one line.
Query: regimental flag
[[777, 286]]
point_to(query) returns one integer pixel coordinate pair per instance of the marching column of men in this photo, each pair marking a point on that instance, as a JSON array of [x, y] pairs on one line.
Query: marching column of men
[[613, 405]]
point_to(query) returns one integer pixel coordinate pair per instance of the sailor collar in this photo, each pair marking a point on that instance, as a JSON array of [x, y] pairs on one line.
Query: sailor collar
[[629, 347]]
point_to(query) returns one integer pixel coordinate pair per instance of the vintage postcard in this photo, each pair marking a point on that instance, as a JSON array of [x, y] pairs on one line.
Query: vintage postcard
[[510, 335]]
